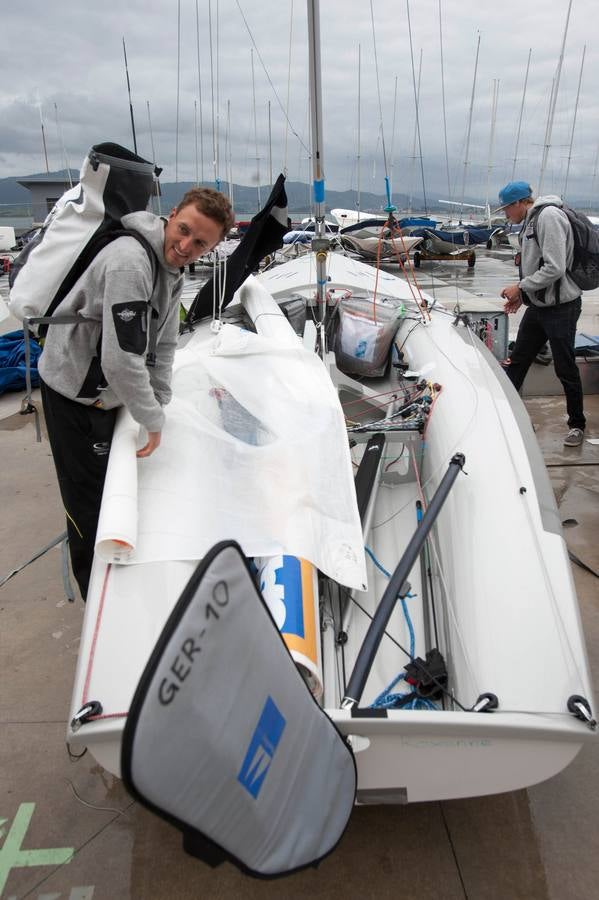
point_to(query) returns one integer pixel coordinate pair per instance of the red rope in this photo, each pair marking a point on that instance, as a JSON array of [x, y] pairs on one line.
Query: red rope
[[92, 654]]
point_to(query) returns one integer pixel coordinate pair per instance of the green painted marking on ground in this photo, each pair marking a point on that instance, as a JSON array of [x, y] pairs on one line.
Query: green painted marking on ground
[[11, 855]]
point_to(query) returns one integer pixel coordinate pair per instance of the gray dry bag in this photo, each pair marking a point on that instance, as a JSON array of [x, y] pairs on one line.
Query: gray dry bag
[[223, 738]]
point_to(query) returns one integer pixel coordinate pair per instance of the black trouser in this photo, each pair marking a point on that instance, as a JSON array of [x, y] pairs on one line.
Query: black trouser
[[80, 438], [556, 324]]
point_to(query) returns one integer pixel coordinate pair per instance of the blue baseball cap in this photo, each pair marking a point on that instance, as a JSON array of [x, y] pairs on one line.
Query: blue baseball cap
[[512, 192]]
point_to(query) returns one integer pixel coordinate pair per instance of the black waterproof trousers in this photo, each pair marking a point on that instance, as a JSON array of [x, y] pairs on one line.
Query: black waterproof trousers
[[556, 324], [80, 438]]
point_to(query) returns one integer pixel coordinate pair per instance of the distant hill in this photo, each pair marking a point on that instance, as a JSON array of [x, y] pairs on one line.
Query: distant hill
[[245, 198], [14, 199], [13, 195]]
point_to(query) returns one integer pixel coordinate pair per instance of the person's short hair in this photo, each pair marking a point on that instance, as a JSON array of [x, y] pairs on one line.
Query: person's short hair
[[211, 203]]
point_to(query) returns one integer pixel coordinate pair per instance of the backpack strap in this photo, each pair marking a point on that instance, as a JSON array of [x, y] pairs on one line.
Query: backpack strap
[[88, 255], [533, 222]]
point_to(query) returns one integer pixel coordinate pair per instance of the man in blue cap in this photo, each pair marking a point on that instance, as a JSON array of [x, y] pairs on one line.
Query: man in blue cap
[[552, 298]]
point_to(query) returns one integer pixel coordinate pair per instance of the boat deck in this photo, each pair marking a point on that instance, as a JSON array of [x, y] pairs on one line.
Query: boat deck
[[69, 830]]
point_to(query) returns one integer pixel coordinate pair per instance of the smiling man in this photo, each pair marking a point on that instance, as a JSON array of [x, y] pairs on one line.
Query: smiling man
[[122, 354]]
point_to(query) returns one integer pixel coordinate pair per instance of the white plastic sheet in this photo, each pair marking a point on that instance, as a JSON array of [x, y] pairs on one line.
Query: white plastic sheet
[[116, 536], [254, 449]]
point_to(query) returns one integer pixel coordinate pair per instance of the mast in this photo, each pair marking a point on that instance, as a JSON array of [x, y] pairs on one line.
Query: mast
[[594, 179], [195, 134], [62, 147], [214, 142], [413, 157], [230, 152], [393, 135], [320, 243], [494, 100], [129, 93], [154, 158], [416, 104], [466, 160], [521, 114], [288, 90], [443, 99], [256, 132], [584, 50], [359, 124], [389, 209], [269, 148], [178, 89], [553, 103], [39, 106], [200, 94]]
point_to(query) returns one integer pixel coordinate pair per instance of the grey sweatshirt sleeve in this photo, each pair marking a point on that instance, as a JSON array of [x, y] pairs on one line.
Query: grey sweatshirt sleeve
[[553, 232], [124, 340], [160, 374]]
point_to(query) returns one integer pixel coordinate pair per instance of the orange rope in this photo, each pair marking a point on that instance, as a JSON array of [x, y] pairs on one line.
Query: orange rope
[[92, 654]]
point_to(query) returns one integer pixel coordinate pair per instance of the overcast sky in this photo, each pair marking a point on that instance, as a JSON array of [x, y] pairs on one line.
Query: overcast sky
[[67, 57]]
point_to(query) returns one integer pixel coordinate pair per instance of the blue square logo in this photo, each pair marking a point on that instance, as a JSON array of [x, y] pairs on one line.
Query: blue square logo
[[262, 748]]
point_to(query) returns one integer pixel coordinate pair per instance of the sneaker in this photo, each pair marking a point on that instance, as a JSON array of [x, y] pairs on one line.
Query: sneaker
[[574, 437]]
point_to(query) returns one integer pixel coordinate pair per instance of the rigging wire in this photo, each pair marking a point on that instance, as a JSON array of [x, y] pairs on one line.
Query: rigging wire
[[417, 112], [413, 157], [378, 88], [521, 114], [288, 91], [214, 143], [200, 93], [178, 90], [469, 130], [274, 90], [444, 106]]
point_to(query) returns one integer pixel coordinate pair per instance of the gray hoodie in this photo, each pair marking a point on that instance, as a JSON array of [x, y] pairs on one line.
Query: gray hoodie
[[546, 259], [103, 361]]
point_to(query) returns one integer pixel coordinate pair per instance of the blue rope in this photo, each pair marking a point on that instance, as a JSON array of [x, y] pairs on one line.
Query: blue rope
[[386, 699]]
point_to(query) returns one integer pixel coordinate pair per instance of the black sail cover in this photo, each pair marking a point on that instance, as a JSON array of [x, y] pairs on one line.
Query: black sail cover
[[264, 235], [225, 741]]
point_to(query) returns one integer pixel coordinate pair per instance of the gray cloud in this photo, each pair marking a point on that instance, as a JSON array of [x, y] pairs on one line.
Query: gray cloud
[[71, 55]]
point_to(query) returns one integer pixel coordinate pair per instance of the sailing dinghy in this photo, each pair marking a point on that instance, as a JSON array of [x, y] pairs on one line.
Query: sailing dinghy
[[449, 649], [496, 694]]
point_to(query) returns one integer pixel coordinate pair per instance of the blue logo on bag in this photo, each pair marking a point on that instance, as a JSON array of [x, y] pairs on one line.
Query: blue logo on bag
[[262, 748]]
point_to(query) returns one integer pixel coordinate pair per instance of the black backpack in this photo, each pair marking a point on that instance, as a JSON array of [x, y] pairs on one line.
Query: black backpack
[[585, 263]]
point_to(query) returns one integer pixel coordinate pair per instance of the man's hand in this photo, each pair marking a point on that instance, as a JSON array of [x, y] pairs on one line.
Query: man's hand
[[152, 444], [513, 297]]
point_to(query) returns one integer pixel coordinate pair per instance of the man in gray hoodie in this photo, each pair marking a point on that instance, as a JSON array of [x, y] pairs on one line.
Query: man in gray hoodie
[[89, 369], [552, 298]]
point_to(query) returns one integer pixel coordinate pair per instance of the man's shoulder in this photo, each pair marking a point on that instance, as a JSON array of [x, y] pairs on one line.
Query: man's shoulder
[[125, 251], [548, 218], [550, 210]]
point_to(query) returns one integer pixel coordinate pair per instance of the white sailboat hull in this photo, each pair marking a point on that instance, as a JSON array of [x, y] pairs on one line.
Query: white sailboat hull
[[500, 588]]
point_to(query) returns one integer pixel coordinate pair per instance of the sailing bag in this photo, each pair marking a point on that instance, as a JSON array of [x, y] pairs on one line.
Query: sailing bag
[[223, 738], [585, 263], [113, 182]]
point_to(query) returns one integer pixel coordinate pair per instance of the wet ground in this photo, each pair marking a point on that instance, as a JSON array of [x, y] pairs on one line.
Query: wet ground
[[69, 830]]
